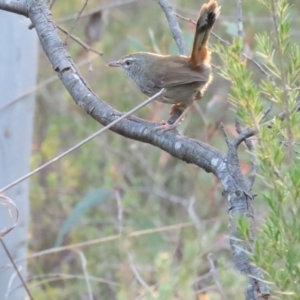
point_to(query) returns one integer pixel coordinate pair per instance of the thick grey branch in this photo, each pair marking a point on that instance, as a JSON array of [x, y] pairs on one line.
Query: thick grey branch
[[186, 149], [17, 7], [243, 136], [240, 207], [176, 31]]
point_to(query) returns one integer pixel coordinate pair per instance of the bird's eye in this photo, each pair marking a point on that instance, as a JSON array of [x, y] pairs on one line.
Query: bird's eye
[[127, 62]]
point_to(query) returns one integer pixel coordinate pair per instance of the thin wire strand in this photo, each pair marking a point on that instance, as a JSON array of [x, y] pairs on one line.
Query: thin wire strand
[[82, 142]]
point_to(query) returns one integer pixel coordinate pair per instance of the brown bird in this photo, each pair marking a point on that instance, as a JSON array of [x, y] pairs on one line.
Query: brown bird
[[184, 78]]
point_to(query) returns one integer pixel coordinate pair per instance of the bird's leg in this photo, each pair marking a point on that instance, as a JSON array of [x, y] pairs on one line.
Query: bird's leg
[[181, 117], [177, 114]]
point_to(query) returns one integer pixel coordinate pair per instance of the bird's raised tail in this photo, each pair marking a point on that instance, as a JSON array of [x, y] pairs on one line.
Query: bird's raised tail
[[209, 12]]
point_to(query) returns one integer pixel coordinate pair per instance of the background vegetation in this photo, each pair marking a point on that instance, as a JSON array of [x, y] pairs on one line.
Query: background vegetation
[[170, 215]]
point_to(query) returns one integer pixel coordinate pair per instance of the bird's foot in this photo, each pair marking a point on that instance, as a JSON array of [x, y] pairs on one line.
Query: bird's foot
[[165, 126]]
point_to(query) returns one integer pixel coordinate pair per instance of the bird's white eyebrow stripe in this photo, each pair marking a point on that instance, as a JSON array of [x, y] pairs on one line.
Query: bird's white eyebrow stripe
[[128, 58]]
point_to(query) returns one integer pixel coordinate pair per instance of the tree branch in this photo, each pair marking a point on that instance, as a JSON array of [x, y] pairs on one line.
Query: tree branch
[[184, 148], [250, 147], [240, 207], [17, 7], [176, 31]]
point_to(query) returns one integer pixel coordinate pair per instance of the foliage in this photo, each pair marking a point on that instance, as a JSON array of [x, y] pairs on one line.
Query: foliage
[[277, 244], [156, 229]]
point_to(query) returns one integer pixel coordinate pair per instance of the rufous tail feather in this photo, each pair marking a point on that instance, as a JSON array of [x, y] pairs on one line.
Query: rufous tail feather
[[209, 12]]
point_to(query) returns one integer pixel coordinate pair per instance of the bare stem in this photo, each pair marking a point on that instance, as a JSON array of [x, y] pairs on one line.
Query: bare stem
[[79, 41], [240, 19], [76, 20]]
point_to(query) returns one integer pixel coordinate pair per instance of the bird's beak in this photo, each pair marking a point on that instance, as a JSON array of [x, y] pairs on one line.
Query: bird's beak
[[115, 64]]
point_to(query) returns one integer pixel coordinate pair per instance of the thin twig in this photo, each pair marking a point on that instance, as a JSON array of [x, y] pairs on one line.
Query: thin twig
[[16, 269], [164, 194], [79, 41], [72, 276], [214, 275], [193, 214], [86, 274], [7, 201], [248, 142], [120, 210], [281, 116], [267, 111], [51, 3], [205, 290], [58, 276], [104, 240], [138, 275], [176, 31], [10, 282], [111, 5], [202, 277], [76, 20], [82, 142], [201, 113], [217, 121], [153, 41], [240, 19], [250, 147], [224, 133]]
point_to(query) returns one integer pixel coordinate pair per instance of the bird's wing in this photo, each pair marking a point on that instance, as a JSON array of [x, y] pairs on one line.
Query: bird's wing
[[178, 74]]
